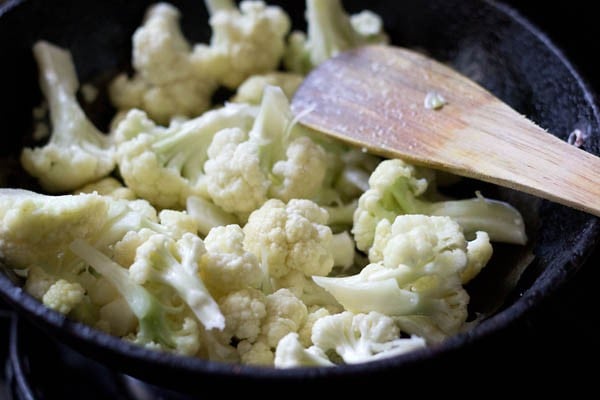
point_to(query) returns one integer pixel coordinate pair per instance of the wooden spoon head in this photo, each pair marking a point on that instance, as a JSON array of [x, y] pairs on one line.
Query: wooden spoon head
[[376, 97]]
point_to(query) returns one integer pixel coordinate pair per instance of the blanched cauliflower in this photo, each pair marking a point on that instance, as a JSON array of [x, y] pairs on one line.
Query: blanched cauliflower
[[63, 296], [244, 312], [77, 152], [166, 165], [246, 41], [274, 159], [358, 338], [330, 31], [228, 230], [418, 271], [290, 237], [168, 81], [252, 89], [227, 266], [396, 187]]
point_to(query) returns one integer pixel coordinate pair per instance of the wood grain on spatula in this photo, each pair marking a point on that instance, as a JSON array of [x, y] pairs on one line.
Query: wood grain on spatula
[[373, 97]]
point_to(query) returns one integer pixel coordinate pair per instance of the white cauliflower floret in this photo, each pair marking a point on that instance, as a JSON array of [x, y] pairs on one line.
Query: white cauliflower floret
[[246, 41], [38, 282], [108, 186], [420, 273], [290, 237], [291, 353], [36, 228], [166, 165], [275, 159], [227, 267], [396, 188], [252, 89], [330, 31], [258, 353], [162, 320], [314, 314], [168, 81], [177, 223], [244, 311], [285, 313], [174, 263], [236, 181], [63, 296], [362, 337], [77, 153]]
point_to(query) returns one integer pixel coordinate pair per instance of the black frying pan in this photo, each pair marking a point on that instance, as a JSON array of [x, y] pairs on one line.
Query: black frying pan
[[483, 39]]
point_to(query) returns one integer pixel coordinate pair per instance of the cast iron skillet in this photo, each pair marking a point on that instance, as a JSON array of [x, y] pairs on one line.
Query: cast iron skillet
[[485, 40]]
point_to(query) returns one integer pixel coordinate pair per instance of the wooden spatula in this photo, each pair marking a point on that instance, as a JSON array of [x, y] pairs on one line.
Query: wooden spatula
[[375, 97]]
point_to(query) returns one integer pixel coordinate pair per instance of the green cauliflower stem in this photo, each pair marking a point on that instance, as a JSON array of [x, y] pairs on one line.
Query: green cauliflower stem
[[165, 165], [77, 152], [151, 314], [358, 338], [330, 31], [166, 261], [419, 271], [396, 187]]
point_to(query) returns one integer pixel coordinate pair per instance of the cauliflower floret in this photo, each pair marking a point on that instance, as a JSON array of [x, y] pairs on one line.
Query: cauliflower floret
[[235, 181], [396, 187], [77, 153], [168, 81], [38, 282], [108, 186], [420, 273], [36, 228], [166, 165], [285, 313], [63, 296], [177, 223], [290, 237], [275, 159], [164, 261], [330, 31], [227, 267], [245, 41], [244, 312], [315, 313], [362, 337], [163, 321], [252, 89], [291, 353], [258, 353]]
